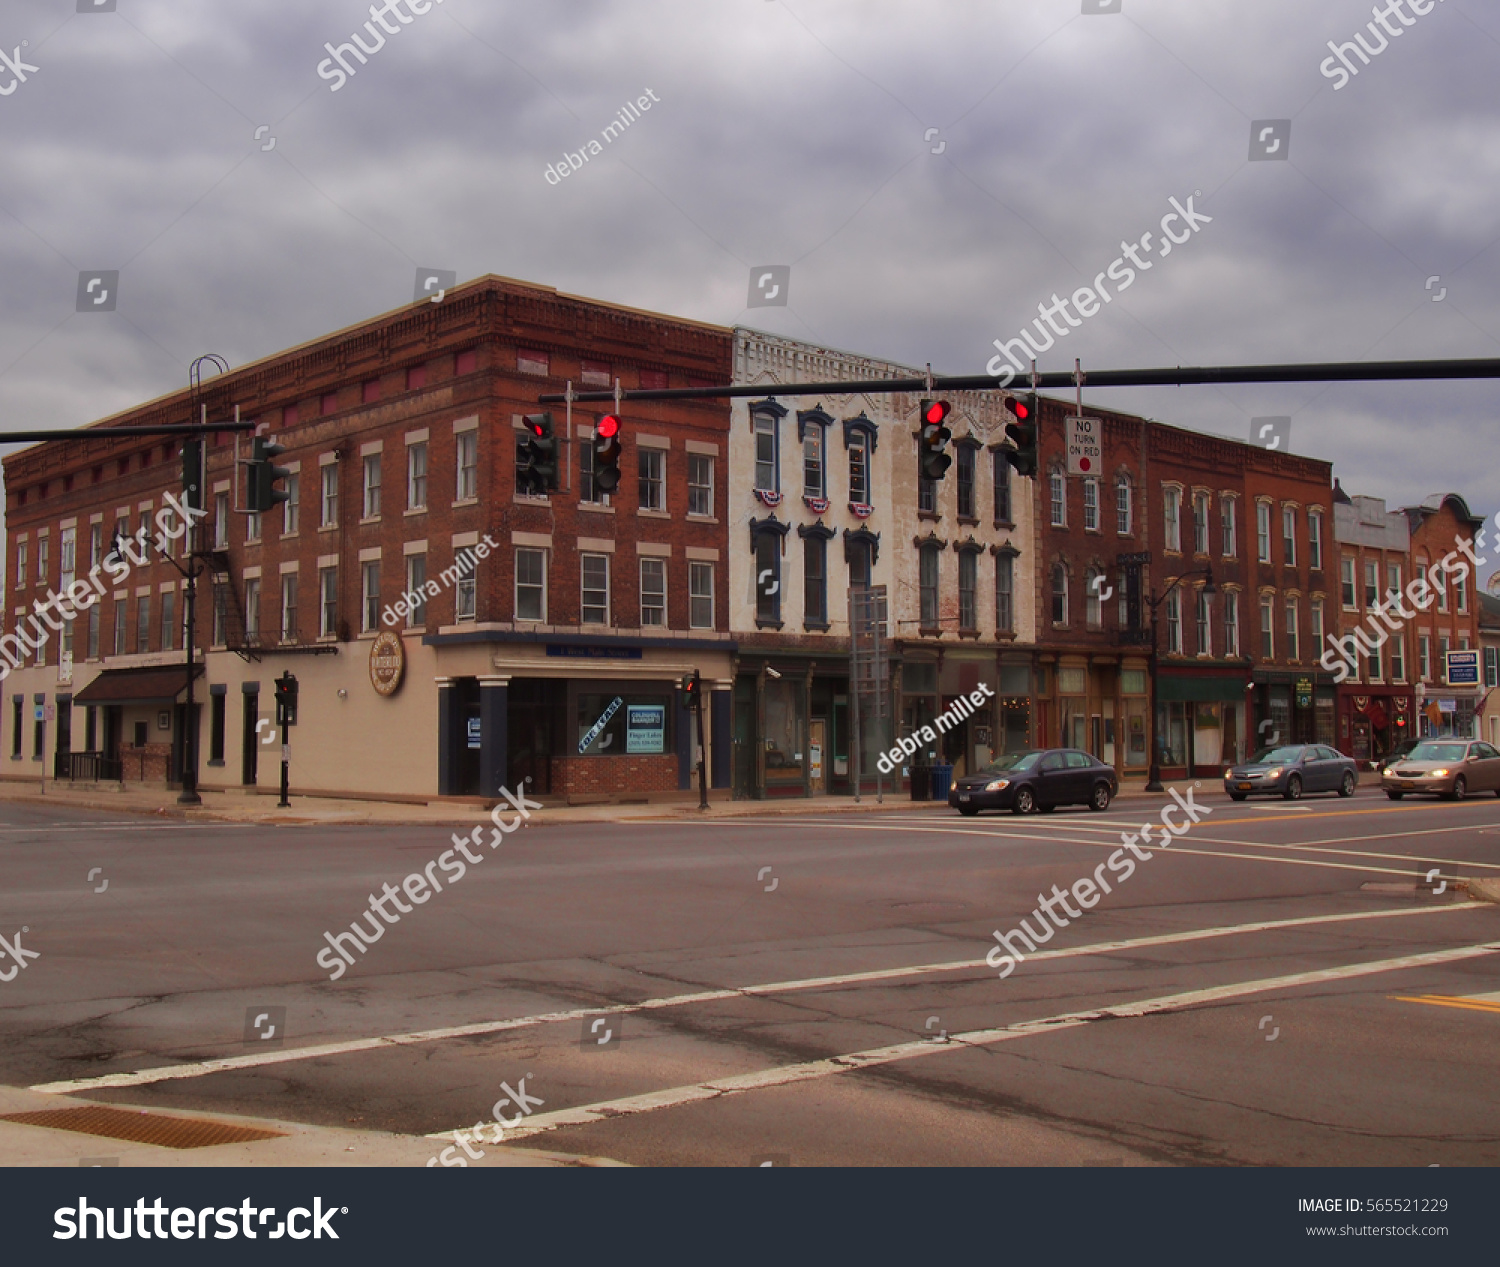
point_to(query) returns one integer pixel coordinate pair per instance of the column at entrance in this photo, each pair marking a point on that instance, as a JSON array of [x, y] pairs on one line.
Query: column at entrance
[[494, 732]]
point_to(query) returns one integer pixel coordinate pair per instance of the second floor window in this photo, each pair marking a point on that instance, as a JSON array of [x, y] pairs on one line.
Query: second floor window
[[289, 607], [1058, 487], [968, 616], [1172, 519], [1314, 539], [765, 454], [466, 448], [252, 608], [168, 621], [221, 523], [1263, 531], [1267, 627], [1059, 595], [701, 595], [1005, 621], [143, 623], [1315, 622], [652, 470], [531, 584], [1232, 623], [700, 484], [1289, 536], [815, 581], [416, 586], [1091, 505], [416, 477], [1205, 624], [859, 469], [330, 507], [289, 508], [1200, 523], [372, 486], [966, 472], [1093, 609], [653, 593], [1174, 622], [595, 606], [1124, 508], [370, 597], [328, 596], [928, 576], [813, 482], [1229, 522], [1002, 487]]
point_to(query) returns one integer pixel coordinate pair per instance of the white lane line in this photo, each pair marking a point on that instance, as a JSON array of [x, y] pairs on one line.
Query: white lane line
[[199, 1069], [782, 1075]]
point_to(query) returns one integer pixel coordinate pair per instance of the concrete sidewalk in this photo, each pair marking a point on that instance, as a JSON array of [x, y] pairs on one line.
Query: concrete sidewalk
[[299, 1145], [239, 807]]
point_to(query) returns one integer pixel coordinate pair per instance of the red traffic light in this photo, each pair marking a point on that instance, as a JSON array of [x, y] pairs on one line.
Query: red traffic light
[[1018, 408], [607, 426], [936, 411]]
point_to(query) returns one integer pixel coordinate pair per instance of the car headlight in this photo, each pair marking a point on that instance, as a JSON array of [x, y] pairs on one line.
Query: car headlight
[[1274, 773], [1438, 774], [996, 785]]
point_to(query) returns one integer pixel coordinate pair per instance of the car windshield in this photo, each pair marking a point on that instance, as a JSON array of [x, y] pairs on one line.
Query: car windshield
[[1013, 761], [1438, 752], [1276, 756]]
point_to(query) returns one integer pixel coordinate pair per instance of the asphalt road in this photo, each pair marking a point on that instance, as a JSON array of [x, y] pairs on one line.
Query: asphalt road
[[825, 975]]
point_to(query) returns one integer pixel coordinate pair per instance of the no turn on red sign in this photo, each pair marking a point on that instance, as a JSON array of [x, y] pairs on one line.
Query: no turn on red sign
[[1085, 446]]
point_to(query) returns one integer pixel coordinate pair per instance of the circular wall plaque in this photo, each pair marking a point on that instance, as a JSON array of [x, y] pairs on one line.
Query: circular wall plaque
[[387, 662]]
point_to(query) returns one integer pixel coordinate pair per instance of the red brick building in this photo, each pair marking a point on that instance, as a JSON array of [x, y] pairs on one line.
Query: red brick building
[[553, 657], [1451, 621]]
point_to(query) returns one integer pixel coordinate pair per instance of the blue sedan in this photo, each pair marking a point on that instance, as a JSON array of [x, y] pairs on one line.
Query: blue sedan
[[1291, 770]]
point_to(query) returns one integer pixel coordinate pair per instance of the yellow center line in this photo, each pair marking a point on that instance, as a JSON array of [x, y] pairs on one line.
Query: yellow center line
[[1443, 1000]]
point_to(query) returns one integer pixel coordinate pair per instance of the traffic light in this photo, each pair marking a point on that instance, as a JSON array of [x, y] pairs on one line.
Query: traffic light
[[537, 465], [691, 685], [1023, 431], [261, 492], [192, 474], [935, 437], [286, 700], [607, 454]]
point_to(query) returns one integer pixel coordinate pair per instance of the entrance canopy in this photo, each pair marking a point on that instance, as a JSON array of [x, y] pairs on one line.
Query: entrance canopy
[[138, 686]]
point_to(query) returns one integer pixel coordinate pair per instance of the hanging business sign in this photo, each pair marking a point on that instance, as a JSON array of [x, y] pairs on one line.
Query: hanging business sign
[[387, 662]]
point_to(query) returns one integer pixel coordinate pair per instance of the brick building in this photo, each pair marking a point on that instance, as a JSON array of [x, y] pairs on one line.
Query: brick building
[[1489, 644], [1451, 622], [554, 656], [1377, 701]]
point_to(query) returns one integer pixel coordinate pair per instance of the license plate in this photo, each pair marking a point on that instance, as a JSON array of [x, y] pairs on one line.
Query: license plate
[[963, 796], [1407, 783], [1245, 787]]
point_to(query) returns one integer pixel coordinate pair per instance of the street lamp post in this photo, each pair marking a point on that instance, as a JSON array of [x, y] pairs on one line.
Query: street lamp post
[[1153, 776]]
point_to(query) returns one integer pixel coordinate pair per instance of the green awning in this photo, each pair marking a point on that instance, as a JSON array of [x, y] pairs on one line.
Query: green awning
[[1198, 688]]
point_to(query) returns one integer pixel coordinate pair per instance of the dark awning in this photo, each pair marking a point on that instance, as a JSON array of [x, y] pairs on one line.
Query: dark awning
[[137, 686]]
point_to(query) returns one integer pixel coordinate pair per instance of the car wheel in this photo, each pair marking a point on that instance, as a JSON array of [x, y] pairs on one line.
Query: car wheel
[[1460, 789], [1025, 801], [1346, 788], [1293, 790], [1236, 796], [1099, 801], [1395, 796], [968, 811]]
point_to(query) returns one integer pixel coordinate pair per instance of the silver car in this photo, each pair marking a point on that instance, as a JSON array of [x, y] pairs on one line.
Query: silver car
[[1450, 768], [1291, 770]]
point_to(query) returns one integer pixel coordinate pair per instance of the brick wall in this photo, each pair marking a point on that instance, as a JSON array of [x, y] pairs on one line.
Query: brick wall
[[611, 776]]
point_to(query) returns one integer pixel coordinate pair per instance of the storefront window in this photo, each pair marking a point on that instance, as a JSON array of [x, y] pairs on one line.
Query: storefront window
[[620, 725], [784, 737]]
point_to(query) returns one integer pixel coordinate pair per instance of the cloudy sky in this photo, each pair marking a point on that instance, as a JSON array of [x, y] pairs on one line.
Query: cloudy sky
[[789, 132]]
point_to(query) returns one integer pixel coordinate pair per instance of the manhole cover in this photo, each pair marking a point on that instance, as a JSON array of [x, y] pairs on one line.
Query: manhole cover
[[142, 1128]]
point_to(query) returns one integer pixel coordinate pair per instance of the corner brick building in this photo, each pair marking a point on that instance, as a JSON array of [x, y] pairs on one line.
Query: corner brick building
[[555, 658]]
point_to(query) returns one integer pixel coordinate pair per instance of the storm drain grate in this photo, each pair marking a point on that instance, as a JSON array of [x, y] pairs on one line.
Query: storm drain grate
[[142, 1128]]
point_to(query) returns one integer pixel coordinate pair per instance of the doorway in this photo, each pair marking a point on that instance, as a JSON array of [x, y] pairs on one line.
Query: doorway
[[817, 750]]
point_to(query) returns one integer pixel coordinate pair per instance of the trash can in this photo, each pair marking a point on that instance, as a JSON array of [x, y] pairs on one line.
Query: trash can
[[921, 782], [942, 780]]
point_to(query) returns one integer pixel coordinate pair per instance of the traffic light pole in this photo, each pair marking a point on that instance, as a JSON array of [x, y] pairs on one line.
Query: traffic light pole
[[283, 803], [702, 747]]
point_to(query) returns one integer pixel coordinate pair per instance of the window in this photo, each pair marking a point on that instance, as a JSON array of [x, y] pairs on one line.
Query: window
[[465, 595], [1059, 489], [67, 555], [221, 525], [928, 577], [1292, 624], [1229, 513], [290, 506], [416, 589], [466, 448], [1398, 659], [1174, 622], [1263, 531], [766, 473], [289, 607], [529, 362], [96, 545], [372, 486], [815, 580], [859, 469], [1392, 579], [1205, 624], [93, 653], [531, 584], [1091, 505], [330, 508], [1200, 523], [1172, 519], [1315, 617], [1315, 539], [1492, 666], [1059, 595], [1461, 589], [1267, 627], [767, 578], [701, 595], [813, 482], [927, 495], [1005, 620], [252, 526], [369, 391], [1445, 644], [1124, 505], [1346, 583], [328, 589], [416, 477], [1231, 623], [596, 374], [1289, 536], [1002, 487], [700, 484], [524, 467], [1424, 657], [369, 597], [143, 623], [1372, 583], [216, 728], [1375, 674], [595, 603], [858, 552], [15, 726], [120, 625], [967, 615], [653, 592], [652, 468], [42, 545], [966, 500], [1093, 609], [588, 490], [252, 608], [22, 562], [221, 616]]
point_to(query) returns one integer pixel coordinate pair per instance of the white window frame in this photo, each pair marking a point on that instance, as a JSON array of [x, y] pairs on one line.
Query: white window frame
[[529, 551], [697, 463], [416, 479], [466, 464], [328, 500], [1171, 520], [1091, 505], [1263, 531], [369, 596], [658, 566], [1057, 484], [697, 570], [1124, 505], [1289, 536], [371, 468], [587, 558], [1201, 505]]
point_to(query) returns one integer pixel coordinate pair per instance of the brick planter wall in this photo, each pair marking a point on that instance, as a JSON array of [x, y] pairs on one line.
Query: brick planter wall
[[613, 776]]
